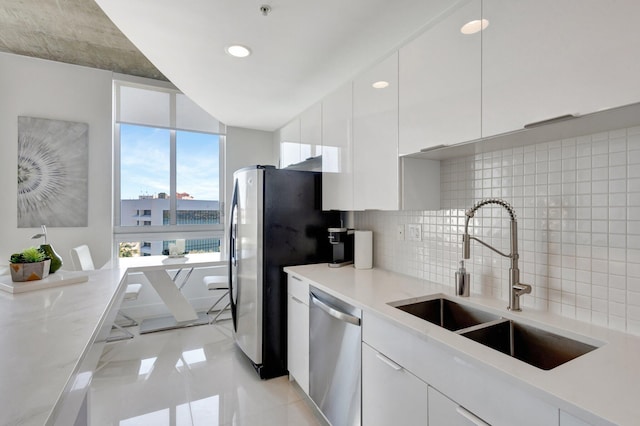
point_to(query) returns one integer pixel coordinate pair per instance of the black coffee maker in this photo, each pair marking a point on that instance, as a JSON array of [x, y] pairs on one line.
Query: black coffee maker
[[341, 240]]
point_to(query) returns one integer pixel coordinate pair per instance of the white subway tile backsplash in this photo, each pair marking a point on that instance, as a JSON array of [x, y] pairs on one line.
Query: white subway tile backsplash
[[633, 313], [633, 155], [600, 161], [600, 186], [578, 208], [633, 172], [617, 158]]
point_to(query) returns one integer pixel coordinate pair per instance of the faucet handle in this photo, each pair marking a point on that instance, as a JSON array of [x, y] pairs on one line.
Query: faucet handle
[[521, 288], [517, 290]]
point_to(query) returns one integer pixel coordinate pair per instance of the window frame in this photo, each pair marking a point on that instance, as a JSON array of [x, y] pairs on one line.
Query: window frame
[[173, 230]]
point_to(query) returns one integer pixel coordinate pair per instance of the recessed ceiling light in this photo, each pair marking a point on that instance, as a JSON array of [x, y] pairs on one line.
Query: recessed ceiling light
[[380, 84], [474, 26], [238, 50]]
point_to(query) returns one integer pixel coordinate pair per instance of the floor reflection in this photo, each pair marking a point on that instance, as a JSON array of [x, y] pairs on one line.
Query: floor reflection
[[192, 376], [201, 412]]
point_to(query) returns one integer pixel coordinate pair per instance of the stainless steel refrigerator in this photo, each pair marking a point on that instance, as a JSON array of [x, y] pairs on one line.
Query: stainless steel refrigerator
[[276, 220]]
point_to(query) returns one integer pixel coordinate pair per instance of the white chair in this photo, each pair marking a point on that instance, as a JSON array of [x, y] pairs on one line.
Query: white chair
[[82, 261], [217, 282]]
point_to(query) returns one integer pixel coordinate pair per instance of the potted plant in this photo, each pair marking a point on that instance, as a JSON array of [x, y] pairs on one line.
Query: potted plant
[[29, 265]]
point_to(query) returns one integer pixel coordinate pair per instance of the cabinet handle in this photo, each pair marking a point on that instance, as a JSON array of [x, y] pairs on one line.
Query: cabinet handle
[[549, 121], [297, 300], [295, 278], [471, 417], [431, 148], [388, 361]]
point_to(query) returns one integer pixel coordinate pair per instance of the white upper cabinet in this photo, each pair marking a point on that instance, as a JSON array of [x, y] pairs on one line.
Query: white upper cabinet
[[290, 143], [440, 82], [546, 58], [311, 132], [301, 138], [375, 137], [337, 150]]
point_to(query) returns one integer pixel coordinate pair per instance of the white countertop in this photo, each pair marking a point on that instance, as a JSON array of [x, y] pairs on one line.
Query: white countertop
[[43, 337], [604, 382]]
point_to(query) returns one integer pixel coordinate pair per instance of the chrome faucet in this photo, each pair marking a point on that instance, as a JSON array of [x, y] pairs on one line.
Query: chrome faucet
[[516, 288]]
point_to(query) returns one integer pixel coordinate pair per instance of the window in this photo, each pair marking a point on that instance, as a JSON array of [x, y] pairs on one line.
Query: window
[[168, 172]]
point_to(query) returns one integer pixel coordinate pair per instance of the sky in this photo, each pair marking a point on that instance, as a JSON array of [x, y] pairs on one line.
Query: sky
[[145, 158]]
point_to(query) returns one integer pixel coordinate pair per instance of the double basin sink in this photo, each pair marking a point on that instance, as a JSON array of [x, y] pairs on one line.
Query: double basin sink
[[537, 347]]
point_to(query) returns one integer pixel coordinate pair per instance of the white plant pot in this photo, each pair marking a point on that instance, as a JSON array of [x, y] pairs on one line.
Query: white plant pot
[[21, 272]]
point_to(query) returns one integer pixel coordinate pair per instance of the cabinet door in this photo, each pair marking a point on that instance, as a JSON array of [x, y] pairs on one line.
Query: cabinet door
[[298, 332], [390, 394], [547, 58], [337, 150], [290, 143], [311, 132], [443, 411], [375, 137], [440, 82]]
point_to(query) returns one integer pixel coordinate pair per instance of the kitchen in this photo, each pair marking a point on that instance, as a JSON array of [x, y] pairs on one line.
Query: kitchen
[[573, 185]]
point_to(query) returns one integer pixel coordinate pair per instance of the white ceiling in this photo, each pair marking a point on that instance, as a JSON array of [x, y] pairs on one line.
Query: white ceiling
[[302, 50]]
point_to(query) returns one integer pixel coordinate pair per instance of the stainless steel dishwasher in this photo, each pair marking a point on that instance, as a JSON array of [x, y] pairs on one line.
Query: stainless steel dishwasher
[[335, 353]]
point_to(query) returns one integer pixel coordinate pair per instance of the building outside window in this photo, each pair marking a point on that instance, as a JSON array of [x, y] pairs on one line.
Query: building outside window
[[168, 172]]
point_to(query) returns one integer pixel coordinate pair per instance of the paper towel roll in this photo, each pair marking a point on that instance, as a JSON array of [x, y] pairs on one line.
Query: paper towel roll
[[363, 250], [180, 246]]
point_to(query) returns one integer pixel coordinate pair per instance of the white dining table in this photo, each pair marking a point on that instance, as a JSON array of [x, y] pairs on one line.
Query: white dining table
[[156, 270]]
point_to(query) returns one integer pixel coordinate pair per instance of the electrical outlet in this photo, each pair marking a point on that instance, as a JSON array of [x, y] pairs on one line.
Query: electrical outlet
[[414, 232], [400, 233]]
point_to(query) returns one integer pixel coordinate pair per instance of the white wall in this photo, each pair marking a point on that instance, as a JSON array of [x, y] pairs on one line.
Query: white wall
[[577, 202], [53, 90]]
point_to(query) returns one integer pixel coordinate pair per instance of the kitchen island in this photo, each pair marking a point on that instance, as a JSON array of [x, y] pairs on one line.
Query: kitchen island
[[600, 387], [51, 341]]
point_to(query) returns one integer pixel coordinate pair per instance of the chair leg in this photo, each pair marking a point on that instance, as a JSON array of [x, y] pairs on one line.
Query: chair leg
[[215, 319], [212, 308], [127, 334]]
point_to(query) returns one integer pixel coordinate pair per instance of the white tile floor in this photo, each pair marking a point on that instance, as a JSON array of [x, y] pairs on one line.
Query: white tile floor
[[192, 376]]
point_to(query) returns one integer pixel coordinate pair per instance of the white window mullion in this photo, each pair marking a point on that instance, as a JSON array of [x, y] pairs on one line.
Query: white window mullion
[[115, 190], [173, 186], [173, 199], [117, 208]]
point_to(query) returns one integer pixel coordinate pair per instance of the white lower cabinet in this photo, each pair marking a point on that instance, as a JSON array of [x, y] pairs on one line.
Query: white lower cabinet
[[391, 395], [298, 331], [490, 398], [445, 412]]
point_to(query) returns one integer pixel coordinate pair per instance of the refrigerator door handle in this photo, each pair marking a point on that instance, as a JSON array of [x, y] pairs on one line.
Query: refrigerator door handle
[[335, 313], [233, 256]]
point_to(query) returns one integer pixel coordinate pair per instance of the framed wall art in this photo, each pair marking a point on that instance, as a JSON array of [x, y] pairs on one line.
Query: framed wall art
[[52, 173]]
